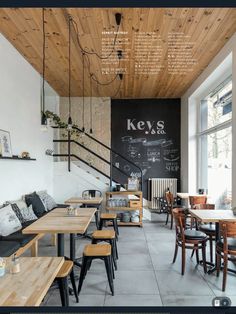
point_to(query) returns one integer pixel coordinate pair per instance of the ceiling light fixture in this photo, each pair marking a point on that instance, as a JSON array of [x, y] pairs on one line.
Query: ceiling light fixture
[[120, 76], [70, 123], [43, 115], [119, 54]]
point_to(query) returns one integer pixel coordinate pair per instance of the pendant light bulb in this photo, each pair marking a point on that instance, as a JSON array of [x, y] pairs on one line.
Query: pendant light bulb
[[70, 123], [91, 131]]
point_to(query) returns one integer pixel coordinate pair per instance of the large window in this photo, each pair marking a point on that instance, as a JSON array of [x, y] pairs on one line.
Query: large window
[[215, 144]]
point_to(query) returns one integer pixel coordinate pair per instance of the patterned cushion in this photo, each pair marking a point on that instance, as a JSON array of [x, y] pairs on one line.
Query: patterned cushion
[[47, 200], [18, 213], [9, 223], [37, 205], [28, 213]]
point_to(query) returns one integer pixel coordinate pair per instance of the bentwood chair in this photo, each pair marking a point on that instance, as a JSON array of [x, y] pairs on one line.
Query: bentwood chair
[[209, 229], [188, 239], [199, 199], [226, 247], [171, 202]]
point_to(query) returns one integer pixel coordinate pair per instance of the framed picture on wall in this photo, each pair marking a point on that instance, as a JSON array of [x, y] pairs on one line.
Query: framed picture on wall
[[5, 144]]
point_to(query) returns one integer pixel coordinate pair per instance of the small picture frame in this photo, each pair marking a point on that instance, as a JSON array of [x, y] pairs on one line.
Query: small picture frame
[[133, 184], [5, 144]]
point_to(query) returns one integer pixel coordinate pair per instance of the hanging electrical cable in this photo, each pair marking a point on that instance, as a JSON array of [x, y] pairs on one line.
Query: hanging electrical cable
[[83, 128], [70, 124], [43, 115], [91, 99]]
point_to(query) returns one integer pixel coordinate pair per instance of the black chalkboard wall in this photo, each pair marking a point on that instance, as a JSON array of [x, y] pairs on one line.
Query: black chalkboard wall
[[147, 132]]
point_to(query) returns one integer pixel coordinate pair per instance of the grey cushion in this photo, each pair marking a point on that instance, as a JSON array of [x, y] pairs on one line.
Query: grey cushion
[[47, 200], [38, 206], [7, 248], [194, 235], [18, 213], [231, 244], [9, 223]]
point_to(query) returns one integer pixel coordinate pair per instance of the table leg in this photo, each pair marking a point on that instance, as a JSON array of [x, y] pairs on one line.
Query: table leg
[[60, 244], [217, 238], [72, 251]]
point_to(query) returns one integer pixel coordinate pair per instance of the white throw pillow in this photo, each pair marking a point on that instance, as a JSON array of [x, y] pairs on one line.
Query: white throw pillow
[[47, 200], [9, 223], [20, 203], [28, 213]]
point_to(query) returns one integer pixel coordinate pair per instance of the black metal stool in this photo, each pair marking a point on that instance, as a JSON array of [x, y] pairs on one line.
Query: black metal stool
[[97, 251], [107, 236], [105, 217]]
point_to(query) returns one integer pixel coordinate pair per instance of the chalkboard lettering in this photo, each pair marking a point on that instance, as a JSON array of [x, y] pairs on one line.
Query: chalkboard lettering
[[150, 127]]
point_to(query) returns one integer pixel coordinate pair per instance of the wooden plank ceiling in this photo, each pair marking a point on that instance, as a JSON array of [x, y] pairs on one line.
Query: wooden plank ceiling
[[208, 30]]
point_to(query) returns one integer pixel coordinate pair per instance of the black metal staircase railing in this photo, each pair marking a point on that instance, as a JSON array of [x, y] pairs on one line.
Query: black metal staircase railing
[[113, 166]]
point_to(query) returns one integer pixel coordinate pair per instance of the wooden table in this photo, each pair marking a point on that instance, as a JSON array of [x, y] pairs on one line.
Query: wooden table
[[209, 215], [57, 222], [86, 202], [30, 285]]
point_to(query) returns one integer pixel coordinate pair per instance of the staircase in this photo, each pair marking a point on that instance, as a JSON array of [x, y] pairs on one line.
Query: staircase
[[94, 157]]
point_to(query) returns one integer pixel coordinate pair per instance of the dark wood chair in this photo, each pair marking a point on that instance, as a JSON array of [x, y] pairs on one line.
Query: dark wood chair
[[188, 239], [196, 200], [208, 229], [171, 202], [226, 247]]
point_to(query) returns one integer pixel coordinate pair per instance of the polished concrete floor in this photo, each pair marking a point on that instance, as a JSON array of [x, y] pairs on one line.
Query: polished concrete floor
[[145, 275]]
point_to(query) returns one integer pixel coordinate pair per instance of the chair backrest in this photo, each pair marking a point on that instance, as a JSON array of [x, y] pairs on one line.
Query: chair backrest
[[180, 221], [92, 193], [204, 206], [227, 228], [169, 198], [194, 200]]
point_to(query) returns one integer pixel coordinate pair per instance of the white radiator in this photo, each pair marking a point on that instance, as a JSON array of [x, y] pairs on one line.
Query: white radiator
[[158, 187]]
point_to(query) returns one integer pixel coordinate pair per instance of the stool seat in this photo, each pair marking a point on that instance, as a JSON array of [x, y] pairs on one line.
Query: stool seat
[[108, 216], [104, 234], [97, 250], [65, 269]]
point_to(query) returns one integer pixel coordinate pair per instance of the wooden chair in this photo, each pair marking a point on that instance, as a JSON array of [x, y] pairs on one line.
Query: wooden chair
[[97, 251], [199, 199], [105, 217], [188, 239], [65, 271], [110, 237], [208, 229], [170, 204], [226, 247]]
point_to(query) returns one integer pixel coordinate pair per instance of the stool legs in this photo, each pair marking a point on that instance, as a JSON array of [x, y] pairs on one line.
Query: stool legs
[[72, 279], [109, 270], [108, 265], [64, 291]]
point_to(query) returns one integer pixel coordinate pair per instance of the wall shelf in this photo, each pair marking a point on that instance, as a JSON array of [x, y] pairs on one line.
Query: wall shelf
[[17, 158]]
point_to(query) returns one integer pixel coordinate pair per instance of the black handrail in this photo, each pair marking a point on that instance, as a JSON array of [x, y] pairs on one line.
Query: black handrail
[[90, 151], [107, 147]]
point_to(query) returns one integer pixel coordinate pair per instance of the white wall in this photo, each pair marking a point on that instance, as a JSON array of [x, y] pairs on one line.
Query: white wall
[[20, 115], [219, 69]]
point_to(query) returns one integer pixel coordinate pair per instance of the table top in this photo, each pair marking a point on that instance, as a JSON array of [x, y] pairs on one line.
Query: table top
[[30, 285], [186, 195], [212, 215], [81, 200], [81, 212], [59, 223]]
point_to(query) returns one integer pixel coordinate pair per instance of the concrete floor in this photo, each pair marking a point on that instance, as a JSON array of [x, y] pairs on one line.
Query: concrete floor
[[145, 275]]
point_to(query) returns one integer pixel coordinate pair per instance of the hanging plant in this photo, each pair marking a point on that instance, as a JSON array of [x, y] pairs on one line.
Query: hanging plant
[[75, 134]]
